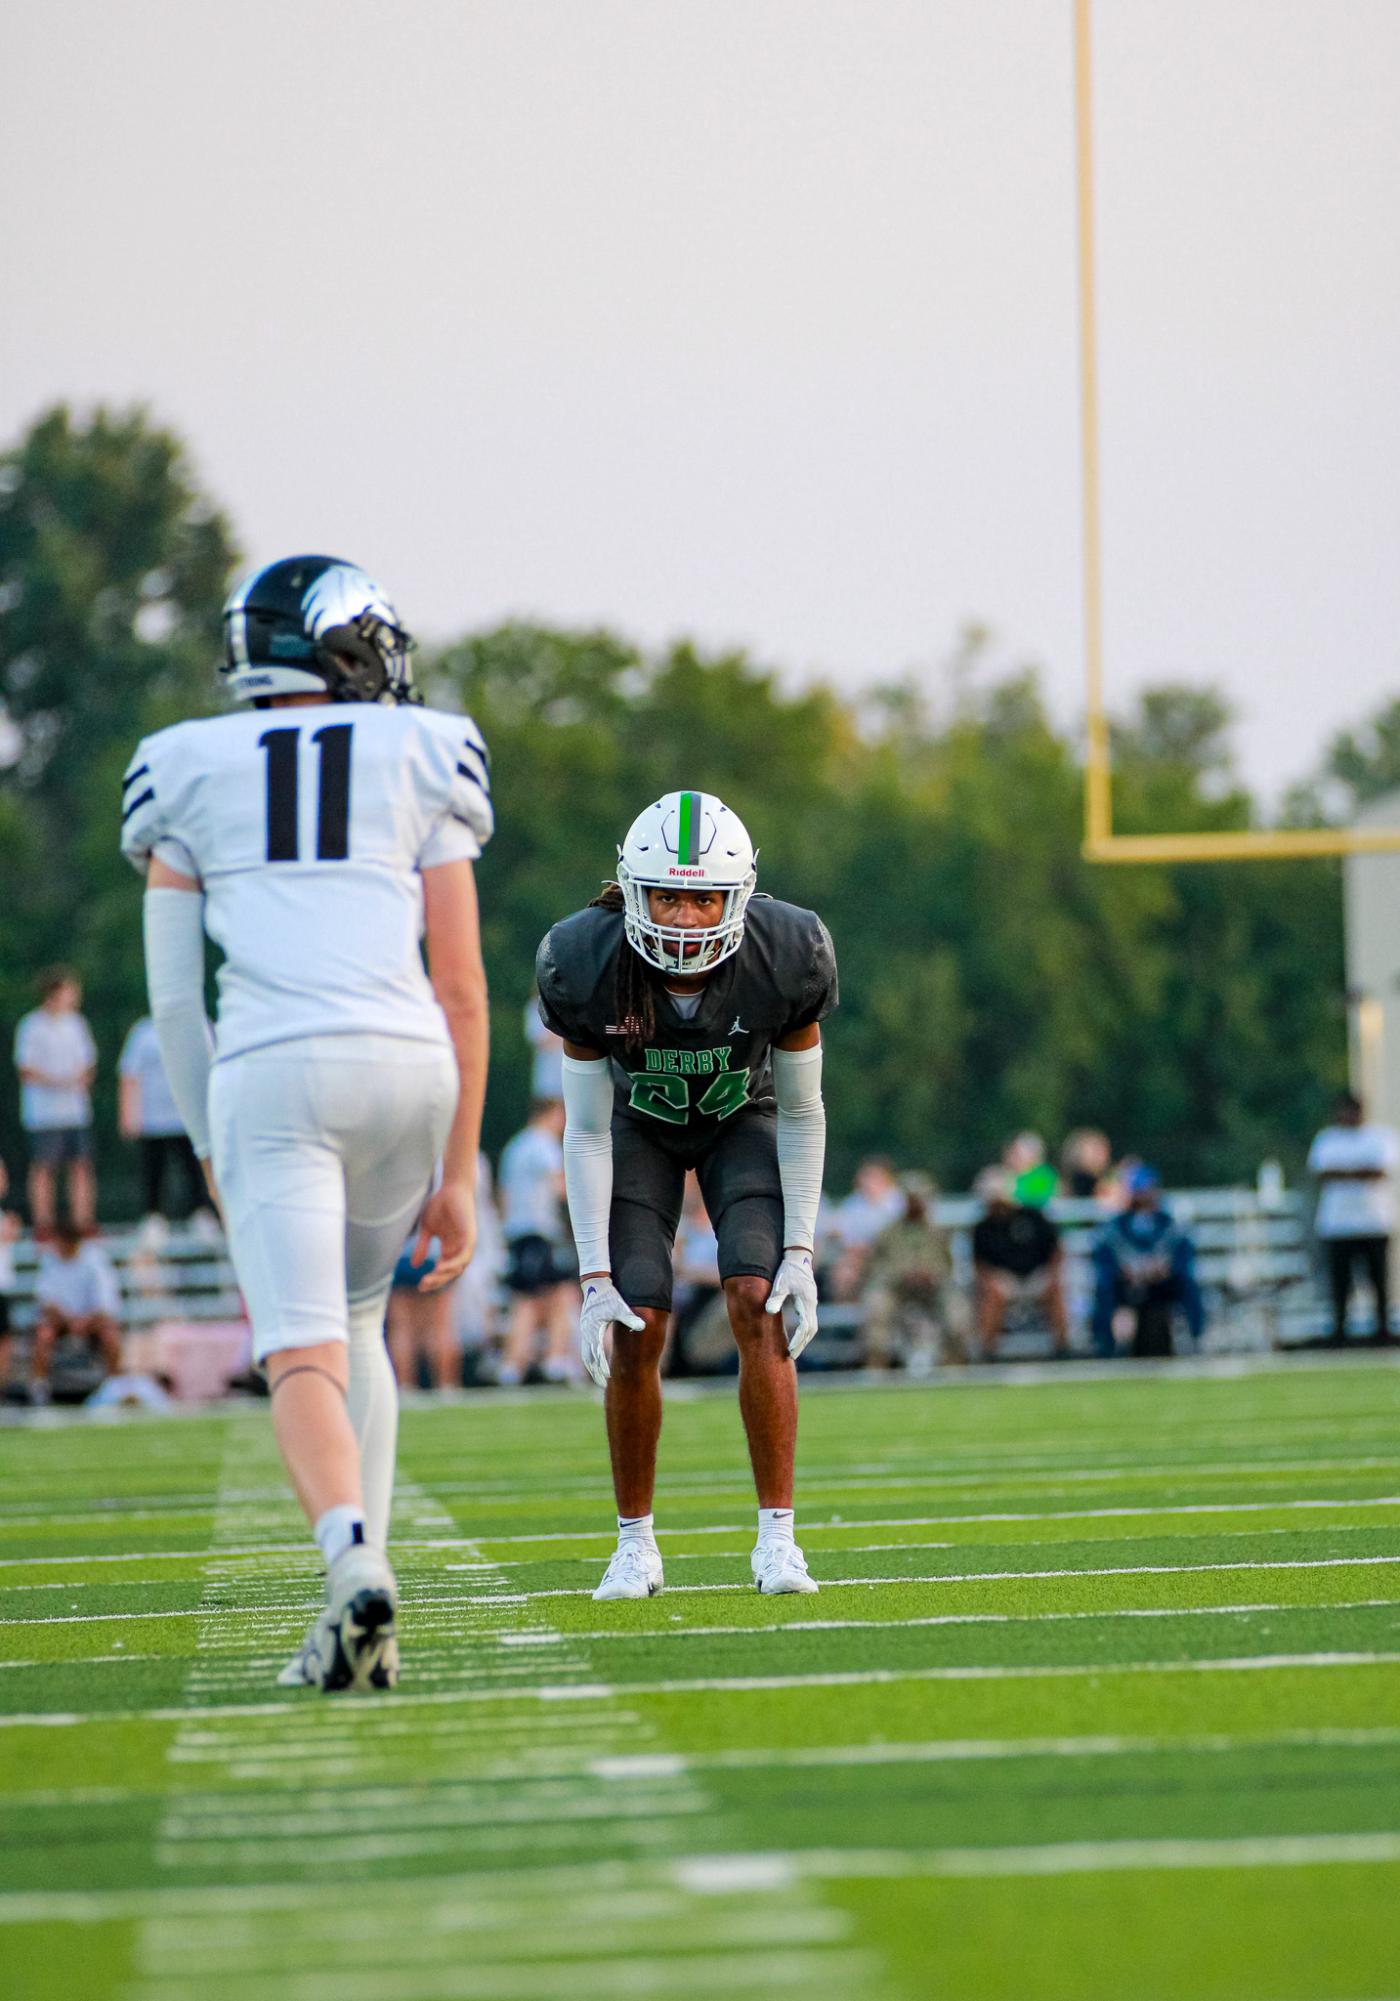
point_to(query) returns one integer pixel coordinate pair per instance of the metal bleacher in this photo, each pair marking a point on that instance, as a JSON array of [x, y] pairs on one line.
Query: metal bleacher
[[1254, 1262]]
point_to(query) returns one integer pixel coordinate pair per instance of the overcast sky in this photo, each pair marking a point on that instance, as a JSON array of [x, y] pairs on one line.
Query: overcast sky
[[753, 319]]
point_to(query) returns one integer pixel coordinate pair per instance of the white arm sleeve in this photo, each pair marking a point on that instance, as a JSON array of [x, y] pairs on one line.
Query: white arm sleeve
[[588, 1157], [173, 921], [797, 1084]]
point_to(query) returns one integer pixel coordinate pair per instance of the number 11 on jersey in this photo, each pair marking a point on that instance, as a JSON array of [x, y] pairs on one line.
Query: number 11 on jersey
[[283, 747]]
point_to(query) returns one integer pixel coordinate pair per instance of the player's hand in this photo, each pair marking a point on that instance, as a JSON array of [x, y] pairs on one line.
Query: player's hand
[[796, 1281], [207, 1169], [602, 1305], [449, 1214]]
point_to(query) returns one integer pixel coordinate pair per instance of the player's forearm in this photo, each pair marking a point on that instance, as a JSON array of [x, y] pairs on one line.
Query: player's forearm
[[588, 1160], [465, 1005], [797, 1084], [173, 924]]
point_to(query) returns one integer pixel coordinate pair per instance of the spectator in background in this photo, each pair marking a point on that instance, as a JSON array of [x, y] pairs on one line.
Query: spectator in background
[[1144, 1260], [906, 1285], [146, 1113], [57, 1059], [547, 1066], [541, 1273], [9, 1231], [474, 1295], [1085, 1160], [876, 1200], [78, 1300], [418, 1325], [1355, 1166], [1033, 1180], [1016, 1257]]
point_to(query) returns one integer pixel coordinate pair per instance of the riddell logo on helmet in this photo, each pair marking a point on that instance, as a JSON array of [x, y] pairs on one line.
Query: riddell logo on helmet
[[685, 871]]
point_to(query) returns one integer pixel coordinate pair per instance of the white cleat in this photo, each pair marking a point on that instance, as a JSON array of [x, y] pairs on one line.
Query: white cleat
[[781, 1566], [353, 1643], [634, 1572]]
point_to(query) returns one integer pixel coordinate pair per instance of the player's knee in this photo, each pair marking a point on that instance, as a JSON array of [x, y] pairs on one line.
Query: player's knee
[[637, 1351], [747, 1297]]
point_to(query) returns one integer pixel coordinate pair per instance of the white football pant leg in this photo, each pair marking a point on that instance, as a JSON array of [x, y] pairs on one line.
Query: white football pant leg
[[374, 1412]]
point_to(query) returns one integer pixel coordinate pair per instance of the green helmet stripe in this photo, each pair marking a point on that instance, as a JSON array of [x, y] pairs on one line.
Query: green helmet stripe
[[688, 838]]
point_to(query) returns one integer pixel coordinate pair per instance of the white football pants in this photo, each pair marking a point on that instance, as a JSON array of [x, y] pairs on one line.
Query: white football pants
[[323, 1149]]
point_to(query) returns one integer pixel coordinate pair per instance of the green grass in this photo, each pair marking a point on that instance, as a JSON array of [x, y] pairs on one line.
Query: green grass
[[1100, 1698]]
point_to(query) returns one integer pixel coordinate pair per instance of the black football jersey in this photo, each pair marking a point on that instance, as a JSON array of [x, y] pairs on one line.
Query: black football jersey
[[698, 1072]]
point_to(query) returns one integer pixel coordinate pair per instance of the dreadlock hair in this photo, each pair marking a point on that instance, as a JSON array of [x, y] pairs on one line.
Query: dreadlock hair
[[634, 988]]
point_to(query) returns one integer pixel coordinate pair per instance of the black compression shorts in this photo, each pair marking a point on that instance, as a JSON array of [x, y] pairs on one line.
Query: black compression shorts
[[738, 1174]]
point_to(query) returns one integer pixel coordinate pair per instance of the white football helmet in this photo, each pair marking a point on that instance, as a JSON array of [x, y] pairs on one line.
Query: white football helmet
[[687, 840]]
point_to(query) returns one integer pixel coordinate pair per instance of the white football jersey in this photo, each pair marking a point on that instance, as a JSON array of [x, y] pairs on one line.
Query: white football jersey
[[309, 829]]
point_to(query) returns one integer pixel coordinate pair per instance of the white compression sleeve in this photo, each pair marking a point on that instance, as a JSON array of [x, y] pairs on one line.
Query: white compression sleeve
[[373, 1398], [588, 1157], [173, 923], [797, 1084]]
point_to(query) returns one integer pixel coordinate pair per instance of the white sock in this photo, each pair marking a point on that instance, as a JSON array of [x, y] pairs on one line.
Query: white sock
[[636, 1528], [775, 1524], [373, 1398], [337, 1529]]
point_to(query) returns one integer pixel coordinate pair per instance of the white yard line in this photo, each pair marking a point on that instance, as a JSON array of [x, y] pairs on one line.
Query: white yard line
[[1025, 1470], [604, 1693], [250, 1615], [994, 1576], [969, 1619], [603, 1538], [727, 1875], [630, 1766]]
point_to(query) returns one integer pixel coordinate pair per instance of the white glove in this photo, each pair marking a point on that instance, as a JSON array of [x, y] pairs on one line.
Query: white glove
[[795, 1281], [602, 1304]]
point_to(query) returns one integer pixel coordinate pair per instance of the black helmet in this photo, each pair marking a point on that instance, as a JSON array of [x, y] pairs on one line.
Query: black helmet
[[312, 624]]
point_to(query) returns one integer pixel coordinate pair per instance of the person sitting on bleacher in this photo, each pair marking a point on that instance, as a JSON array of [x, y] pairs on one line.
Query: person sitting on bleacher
[[1145, 1260], [79, 1300], [1017, 1259]]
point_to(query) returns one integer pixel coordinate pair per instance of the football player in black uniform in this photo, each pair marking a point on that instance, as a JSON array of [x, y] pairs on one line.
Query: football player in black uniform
[[689, 1009]]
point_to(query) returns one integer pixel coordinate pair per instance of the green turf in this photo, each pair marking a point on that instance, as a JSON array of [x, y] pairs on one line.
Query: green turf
[[1100, 1697]]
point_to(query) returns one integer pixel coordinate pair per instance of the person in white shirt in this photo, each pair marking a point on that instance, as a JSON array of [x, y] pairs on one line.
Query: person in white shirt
[[317, 837], [78, 1299], [148, 1114], [1355, 1166], [57, 1059], [876, 1200], [547, 1058], [541, 1272]]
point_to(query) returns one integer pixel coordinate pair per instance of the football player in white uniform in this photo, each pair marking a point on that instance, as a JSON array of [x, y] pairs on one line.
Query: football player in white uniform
[[316, 837]]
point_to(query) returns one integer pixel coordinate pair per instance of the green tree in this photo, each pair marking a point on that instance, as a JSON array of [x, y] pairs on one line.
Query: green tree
[[113, 566]]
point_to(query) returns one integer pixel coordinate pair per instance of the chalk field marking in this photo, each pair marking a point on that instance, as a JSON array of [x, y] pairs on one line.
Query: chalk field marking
[[1020, 1470], [727, 1876], [262, 1833], [991, 1576]]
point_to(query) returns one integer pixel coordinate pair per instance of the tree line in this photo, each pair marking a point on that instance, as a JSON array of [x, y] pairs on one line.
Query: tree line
[[991, 980]]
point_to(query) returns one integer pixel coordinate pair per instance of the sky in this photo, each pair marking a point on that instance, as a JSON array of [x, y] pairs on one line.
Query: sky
[[753, 320]]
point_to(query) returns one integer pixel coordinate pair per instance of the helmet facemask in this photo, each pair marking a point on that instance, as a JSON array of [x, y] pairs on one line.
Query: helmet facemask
[[682, 950]]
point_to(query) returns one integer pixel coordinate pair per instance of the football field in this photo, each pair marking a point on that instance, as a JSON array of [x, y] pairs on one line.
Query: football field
[[1100, 1698]]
